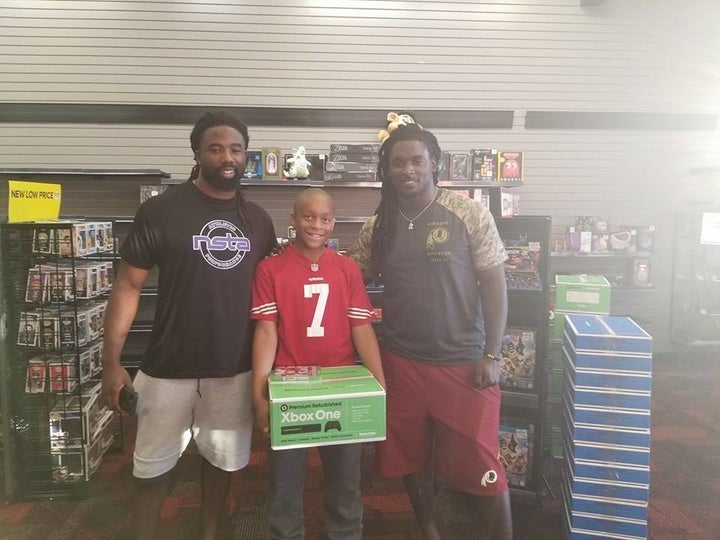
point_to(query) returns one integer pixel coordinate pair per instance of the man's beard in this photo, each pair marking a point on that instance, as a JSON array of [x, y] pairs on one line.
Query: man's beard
[[218, 181]]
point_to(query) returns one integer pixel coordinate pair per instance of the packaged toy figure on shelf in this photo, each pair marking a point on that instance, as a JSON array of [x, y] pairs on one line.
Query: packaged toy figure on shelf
[[28, 329], [253, 165], [370, 176], [36, 375], [459, 166], [271, 163], [624, 240], [642, 238], [641, 273], [484, 164], [510, 166], [444, 167], [517, 367]]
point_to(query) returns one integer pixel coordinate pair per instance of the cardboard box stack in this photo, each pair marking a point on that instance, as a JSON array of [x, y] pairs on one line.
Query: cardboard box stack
[[574, 294], [606, 427], [352, 163]]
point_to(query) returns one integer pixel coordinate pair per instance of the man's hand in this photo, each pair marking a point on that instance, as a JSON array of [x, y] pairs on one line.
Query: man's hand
[[114, 377], [487, 372], [262, 416]]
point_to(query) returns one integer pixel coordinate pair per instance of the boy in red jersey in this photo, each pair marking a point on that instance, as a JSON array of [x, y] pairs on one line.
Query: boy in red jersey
[[311, 309]]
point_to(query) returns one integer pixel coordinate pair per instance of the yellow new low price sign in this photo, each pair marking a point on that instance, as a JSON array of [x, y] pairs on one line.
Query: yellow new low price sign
[[33, 201]]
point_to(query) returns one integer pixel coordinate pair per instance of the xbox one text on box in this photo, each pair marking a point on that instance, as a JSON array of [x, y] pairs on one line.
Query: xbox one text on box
[[342, 405]]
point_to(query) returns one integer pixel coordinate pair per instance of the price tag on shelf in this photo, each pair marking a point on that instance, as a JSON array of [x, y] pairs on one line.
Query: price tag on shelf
[[33, 201]]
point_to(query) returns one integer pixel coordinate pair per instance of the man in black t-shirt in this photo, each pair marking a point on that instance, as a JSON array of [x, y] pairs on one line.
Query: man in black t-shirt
[[194, 380]]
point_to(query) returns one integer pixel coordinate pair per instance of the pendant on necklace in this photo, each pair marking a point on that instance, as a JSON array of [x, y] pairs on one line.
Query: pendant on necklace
[[314, 267], [411, 226]]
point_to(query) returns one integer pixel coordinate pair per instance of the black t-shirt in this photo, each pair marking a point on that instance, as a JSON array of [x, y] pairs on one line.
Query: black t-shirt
[[206, 257]]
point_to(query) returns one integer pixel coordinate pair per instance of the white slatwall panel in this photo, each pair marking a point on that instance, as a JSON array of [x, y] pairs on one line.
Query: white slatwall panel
[[644, 55], [638, 56]]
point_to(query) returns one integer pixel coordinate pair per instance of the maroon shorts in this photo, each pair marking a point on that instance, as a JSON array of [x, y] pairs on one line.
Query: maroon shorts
[[435, 416]]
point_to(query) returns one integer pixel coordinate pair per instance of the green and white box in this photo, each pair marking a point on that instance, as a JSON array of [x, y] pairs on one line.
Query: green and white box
[[582, 293], [341, 405]]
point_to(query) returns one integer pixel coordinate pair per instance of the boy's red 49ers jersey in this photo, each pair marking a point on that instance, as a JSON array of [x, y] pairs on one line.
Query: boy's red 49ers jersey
[[314, 306]]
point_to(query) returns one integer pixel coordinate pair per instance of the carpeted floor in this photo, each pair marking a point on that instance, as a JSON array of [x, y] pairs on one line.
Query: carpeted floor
[[684, 504]]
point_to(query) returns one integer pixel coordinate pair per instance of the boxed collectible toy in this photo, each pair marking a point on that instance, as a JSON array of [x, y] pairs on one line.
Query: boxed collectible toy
[[484, 164], [76, 421], [459, 166], [339, 405], [510, 166], [360, 148], [370, 176], [80, 463], [354, 157], [350, 166], [63, 376], [253, 165], [316, 166]]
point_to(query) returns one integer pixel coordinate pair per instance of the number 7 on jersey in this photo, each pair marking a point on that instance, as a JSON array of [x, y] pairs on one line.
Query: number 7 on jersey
[[322, 290]]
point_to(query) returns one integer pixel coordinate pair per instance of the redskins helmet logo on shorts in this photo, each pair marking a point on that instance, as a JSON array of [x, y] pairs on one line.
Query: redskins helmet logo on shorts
[[490, 477]]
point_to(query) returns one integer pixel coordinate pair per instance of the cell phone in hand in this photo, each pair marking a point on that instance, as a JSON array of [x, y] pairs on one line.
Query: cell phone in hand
[[128, 400]]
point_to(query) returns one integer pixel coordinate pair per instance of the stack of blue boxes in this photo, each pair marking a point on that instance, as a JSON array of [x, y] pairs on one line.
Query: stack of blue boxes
[[606, 427]]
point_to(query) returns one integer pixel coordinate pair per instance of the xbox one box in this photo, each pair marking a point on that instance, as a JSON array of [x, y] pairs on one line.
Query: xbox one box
[[339, 405]]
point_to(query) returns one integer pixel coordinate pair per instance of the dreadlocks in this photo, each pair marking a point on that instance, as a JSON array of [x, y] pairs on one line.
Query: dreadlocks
[[213, 119], [387, 211]]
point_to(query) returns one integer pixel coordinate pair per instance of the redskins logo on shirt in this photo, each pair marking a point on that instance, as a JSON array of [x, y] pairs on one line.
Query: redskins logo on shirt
[[490, 477], [439, 235], [436, 250], [222, 244]]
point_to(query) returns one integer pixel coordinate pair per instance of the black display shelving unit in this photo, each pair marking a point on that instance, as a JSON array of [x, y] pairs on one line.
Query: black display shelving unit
[[56, 426], [527, 239], [695, 322]]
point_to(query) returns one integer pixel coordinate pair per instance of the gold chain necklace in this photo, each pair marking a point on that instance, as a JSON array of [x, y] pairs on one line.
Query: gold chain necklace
[[411, 226]]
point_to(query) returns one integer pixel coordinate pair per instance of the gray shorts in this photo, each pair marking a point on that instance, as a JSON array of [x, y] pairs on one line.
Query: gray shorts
[[170, 412]]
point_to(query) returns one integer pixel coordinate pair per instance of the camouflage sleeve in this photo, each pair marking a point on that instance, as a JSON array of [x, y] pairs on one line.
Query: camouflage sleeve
[[487, 246], [485, 243], [360, 252]]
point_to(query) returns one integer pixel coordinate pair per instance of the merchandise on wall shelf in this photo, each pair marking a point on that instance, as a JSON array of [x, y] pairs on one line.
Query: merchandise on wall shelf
[[352, 163], [511, 166]]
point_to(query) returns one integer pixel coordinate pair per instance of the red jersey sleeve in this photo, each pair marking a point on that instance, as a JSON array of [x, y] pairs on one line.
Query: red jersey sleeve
[[264, 302], [360, 310]]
